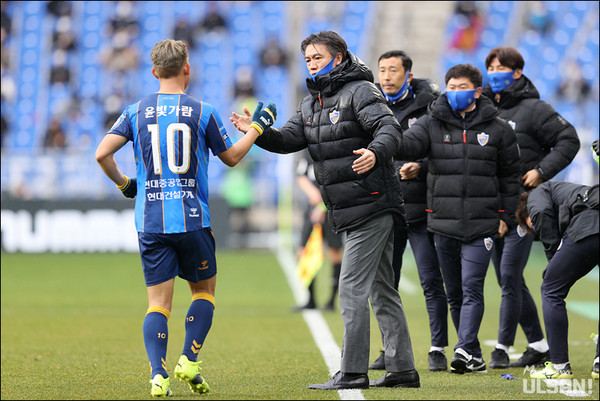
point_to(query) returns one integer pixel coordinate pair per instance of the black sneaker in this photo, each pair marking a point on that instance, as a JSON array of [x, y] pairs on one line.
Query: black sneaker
[[300, 308], [595, 371], [531, 357], [499, 359], [462, 362], [437, 361], [379, 363]]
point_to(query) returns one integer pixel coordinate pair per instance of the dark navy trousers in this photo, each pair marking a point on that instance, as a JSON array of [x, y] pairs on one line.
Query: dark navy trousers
[[510, 255], [429, 275], [572, 261], [464, 266]]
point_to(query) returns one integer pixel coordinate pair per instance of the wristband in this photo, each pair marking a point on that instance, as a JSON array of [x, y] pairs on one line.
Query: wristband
[[124, 184]]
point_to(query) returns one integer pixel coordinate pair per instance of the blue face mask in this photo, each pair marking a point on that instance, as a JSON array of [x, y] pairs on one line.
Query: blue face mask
[[500, 80], [323, 70], [461, 100], [400, 93]]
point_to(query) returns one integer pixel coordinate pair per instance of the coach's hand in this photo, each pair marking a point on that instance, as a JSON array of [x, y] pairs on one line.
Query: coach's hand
[[129, 187], [263, 119]]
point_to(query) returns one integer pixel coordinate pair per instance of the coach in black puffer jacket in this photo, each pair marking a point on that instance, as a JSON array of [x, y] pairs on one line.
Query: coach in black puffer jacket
[[345, 111], [547, 141], [407, 111], [351, 136], [473, 169]]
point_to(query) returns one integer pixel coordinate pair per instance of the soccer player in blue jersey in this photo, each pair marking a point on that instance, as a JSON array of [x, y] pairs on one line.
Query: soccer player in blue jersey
[[171, 134]]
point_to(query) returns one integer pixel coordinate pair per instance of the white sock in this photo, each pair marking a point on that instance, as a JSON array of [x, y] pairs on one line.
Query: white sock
[[440, 349], [502, 347], [559, 366], [540, 346], [596, 360]]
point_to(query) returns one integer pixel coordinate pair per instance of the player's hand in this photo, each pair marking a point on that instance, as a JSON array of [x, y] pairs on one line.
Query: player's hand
[[242, 123], [531, 179], [365, 162], [502, 229], [410, 170], [129, 187], [263, 118]]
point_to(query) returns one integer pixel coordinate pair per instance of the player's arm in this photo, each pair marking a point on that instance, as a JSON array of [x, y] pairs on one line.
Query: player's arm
[[261, 120], [105, 152]]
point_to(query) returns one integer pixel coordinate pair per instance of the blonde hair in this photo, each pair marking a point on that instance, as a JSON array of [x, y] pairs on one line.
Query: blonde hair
[[169, 57]]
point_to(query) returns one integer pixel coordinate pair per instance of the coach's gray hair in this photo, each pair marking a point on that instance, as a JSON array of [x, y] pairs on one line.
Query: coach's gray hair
[[169, 57]]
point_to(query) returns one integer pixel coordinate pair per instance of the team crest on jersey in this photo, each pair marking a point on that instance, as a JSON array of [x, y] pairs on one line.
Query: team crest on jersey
[[521, 231], [411, 121], [482, 138], [512, 124], [334, 116], [488, 242]]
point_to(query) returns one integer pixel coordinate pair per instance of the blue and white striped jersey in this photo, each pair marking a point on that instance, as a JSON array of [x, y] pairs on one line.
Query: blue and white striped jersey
[[171, 135]]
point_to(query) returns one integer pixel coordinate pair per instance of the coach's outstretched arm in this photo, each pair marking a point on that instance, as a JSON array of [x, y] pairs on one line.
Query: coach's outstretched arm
[[261, 120]]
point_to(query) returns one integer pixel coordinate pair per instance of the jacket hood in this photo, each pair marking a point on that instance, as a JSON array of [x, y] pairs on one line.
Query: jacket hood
[[523, 88], [484, 111], [351, 69]]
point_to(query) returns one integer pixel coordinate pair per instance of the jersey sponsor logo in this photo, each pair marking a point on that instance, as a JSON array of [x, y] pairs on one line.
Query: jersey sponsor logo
[[488, 242], [521, 231], [334, 116], [411, 121], [482, 138], [194, 212], [446, 138], [512, 124]]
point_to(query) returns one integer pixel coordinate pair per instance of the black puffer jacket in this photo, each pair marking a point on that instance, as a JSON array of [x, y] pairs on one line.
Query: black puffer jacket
[[473, 178], [548, 202], [547, 141], [344, 112], [407, 111]]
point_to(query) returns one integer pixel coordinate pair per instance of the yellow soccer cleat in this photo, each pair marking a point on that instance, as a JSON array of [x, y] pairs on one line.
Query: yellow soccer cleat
[[549, 372], [161, 387], [189, 372]]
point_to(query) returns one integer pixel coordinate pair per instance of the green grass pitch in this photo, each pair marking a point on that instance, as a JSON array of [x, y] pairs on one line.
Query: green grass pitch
[[71, 329]]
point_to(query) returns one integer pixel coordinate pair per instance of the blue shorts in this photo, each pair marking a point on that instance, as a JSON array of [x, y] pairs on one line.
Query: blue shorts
[[190, 256]]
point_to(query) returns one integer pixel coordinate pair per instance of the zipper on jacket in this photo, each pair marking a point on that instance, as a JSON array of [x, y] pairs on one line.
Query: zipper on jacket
[[464, 188], [321, 103]]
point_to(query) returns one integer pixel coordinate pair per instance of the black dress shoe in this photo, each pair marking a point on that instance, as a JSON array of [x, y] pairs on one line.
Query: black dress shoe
[[341, 381], [409, 378], [379, 363]]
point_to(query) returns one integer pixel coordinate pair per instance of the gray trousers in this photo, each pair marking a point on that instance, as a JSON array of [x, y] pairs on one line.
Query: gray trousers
[[367, 274]]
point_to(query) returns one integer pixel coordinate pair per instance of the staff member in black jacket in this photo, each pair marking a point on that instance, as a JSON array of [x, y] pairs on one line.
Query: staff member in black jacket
[[472, 194], [548, 143], [571, 240], [408, 99], [351, 135]]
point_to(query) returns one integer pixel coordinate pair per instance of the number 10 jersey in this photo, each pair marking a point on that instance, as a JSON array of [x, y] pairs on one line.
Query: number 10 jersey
[[171, 135]]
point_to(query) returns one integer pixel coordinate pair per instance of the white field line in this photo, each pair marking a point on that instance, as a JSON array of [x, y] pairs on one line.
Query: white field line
[[317, 325]]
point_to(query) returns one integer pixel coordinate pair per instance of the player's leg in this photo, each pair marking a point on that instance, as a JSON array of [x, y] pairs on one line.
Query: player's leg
[[159, 262], [196, 252]]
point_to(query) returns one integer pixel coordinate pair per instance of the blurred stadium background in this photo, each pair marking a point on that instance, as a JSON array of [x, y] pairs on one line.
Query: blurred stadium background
[[69, 68]]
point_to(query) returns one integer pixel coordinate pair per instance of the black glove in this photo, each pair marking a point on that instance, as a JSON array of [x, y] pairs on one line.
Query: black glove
[[129, 187], [263, 119]]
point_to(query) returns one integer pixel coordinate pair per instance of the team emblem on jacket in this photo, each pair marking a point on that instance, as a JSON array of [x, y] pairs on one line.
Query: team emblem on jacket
[[512, 124], [488, 242], [411, 121], [334, 116], [482, 138], [521, 231]]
